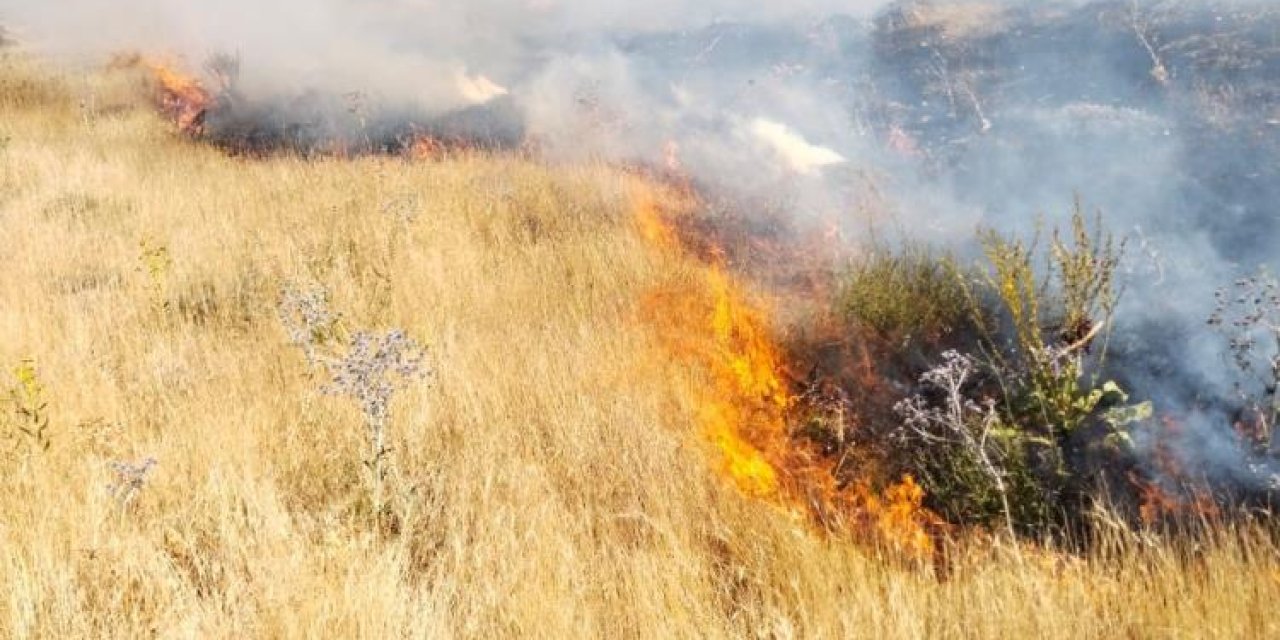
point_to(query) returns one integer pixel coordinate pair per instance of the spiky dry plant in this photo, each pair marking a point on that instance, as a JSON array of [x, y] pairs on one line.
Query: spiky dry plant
[[369, 367], [374, 367], [1248, 316]]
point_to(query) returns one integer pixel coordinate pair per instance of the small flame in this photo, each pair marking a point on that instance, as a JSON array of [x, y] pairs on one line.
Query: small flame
[[425, 147], [655, 229], [897, 515], [182, 98], [179, 96]]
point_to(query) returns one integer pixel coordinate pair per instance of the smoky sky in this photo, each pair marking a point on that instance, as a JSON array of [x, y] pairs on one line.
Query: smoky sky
[[380, 44]]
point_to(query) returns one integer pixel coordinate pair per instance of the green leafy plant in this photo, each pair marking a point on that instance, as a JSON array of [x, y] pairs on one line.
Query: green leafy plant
[[909, 294], [28, 417], [1052, 320], [156, 262], [1002, 433]]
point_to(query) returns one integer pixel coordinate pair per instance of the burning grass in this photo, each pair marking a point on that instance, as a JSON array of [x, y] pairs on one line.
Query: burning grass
[[209, 107], [178, 96], [747, 409], [553, 482]]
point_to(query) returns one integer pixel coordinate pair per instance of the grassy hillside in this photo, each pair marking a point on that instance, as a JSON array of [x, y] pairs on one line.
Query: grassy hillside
[[547, 479]]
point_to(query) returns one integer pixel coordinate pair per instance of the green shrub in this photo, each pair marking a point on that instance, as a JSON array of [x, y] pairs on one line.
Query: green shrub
[[1008, 432], [1053, 318], [898, 309], [26, 421], [906, 296]]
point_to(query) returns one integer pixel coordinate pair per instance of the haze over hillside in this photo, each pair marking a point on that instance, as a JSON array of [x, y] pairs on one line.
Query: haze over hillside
[[568, 319]]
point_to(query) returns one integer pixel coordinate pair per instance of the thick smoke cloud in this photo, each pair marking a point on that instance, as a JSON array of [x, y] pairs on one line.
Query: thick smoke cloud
[[1163, 114], [564, 61], [401, 48]]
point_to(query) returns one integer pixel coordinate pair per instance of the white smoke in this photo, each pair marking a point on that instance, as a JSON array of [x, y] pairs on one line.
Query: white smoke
[[799, 154]]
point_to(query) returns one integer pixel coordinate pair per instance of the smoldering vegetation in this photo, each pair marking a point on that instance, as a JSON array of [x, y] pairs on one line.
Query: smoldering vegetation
[[1161, 116], [319, 124]]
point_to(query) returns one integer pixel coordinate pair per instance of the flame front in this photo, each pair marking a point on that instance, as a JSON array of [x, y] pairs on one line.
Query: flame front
[[743, 409], [654, 228], [745, 401]]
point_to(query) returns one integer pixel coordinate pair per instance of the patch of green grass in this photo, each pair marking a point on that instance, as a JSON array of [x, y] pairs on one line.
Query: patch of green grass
[[912, 295]]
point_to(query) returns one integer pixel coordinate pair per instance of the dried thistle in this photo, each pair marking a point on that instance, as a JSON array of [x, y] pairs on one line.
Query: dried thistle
[[373, 368], [369, 369], [312, 327], [958, 423], [130, 478], [1247, 314]]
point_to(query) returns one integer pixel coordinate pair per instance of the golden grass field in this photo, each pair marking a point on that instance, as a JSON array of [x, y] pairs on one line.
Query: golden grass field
[[547, 482]]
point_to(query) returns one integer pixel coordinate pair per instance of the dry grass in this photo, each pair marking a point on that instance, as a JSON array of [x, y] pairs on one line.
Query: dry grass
[[957, 19], [549, 483]]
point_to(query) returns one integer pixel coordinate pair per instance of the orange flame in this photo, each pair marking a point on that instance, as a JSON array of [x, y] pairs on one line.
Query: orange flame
[[743, 410], [425, 147], [747, 402], [654, 228], [179, 96], [745, 399], [898, 514]]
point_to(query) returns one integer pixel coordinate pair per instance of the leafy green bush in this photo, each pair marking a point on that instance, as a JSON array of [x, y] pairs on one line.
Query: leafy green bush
[[1005, 422], [911, 295], [27, 417], [898, 309]]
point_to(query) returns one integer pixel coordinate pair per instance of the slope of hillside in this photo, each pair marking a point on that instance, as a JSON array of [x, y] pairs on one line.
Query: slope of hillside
[[545, 478]]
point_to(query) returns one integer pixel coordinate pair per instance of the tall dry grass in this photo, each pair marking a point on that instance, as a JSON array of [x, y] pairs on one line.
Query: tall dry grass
[[547, 484]]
